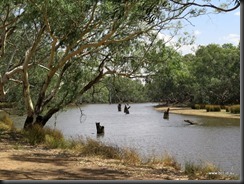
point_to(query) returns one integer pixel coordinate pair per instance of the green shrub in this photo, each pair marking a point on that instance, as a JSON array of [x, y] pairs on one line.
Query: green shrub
[[198, 106], [213, 108], [235, 109]]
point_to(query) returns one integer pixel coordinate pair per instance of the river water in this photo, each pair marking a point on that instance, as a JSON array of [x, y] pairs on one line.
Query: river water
[[213, 140]]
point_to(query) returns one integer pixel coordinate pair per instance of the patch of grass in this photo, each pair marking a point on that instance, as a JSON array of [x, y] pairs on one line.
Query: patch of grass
[[51, 138], [166, 160], [92, 147], [169, 160], [6, 124], [207, 171]]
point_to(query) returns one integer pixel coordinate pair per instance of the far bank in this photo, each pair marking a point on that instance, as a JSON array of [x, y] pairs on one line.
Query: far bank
[[198, 112]]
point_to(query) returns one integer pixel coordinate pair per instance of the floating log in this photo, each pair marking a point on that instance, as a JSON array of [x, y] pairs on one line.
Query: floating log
[[100, 129], [189, 121]]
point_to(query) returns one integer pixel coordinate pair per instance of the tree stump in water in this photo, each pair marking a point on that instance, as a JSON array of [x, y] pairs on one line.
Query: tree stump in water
[[166, 114], [119, 107], [100, 129], [126, 109]]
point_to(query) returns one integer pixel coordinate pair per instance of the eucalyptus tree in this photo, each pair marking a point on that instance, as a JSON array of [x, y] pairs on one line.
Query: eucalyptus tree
[[56, 50], [171, 79], [217, 74]]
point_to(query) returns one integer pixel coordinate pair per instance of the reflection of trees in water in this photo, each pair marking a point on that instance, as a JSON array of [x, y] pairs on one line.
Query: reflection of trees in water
[[82, 115]]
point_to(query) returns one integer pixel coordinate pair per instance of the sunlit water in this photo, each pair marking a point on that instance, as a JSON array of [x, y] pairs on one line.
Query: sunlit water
[[214, 140]]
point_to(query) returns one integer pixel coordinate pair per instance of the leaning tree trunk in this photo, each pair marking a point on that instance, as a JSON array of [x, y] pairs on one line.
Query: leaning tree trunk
[[39, 119]]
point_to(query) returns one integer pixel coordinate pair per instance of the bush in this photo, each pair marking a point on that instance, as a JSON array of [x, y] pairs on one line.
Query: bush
[[235, 109], [49, 137], [35, 135], [198, 106], [5, 122], [213, 108]]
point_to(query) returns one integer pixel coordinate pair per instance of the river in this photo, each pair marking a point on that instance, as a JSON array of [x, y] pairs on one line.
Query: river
[[213, 140]]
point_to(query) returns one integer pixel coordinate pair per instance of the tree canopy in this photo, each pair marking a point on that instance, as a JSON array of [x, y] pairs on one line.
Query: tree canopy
[[53, 51]]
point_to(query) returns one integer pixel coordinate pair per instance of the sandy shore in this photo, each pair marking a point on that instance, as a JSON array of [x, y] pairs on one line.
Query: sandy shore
[[199, 112]]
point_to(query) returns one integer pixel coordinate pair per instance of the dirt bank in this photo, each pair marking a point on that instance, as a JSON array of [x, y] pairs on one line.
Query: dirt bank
[[24, 162]]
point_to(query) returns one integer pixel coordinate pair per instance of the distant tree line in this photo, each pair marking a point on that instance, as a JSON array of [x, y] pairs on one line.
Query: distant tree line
[[209, 76]]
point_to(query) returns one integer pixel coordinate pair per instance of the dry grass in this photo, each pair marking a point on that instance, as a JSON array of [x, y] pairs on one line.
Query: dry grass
[[5, 122], [207, 171]]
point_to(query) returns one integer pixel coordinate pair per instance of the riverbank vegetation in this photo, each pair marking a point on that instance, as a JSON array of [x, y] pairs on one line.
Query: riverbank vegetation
[[46, 138]]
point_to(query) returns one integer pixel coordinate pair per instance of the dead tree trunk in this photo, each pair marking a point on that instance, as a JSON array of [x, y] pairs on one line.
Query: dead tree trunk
[[100, 129], [166, 114]]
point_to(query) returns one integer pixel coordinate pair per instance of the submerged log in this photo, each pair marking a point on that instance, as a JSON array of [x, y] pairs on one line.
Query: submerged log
[[189, 121], [100, 129]]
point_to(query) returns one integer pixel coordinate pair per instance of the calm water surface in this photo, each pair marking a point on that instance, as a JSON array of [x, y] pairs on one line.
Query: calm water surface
[[214, 140]]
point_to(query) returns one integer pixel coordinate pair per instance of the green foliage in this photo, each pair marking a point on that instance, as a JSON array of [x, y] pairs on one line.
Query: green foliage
[[213, 108], [217, 73], [211, 76]]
